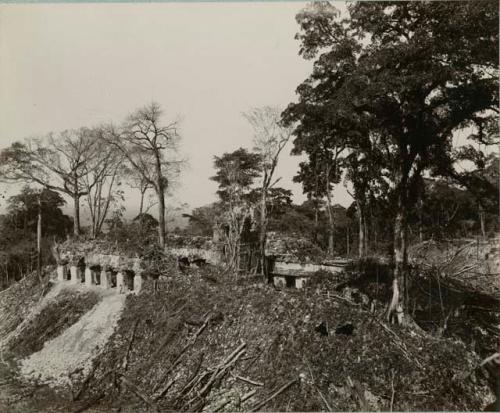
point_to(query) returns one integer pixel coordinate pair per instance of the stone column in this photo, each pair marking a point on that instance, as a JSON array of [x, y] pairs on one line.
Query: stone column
[[105, 279], [137, 283], [75, 274], [89, 282], [120, 283], [60, 273]]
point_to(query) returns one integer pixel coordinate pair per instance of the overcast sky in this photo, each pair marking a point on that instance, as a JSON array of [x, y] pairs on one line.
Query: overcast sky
[[70, 65]]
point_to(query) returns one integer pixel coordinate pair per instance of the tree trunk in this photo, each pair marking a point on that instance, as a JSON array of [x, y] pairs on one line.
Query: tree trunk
[[76, 215], [141, 206], [332, 225], [263, 232], [348, 242], [366, 233], [396, 309], [161, 218], [481, 220], [39, 241], [361, 231], [160, 192]]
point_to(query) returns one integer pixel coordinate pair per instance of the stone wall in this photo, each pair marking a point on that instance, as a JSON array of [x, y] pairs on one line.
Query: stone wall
[[210, 255], [105, 270]]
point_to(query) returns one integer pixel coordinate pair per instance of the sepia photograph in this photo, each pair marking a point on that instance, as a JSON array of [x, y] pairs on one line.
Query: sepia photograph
[[249, 206]]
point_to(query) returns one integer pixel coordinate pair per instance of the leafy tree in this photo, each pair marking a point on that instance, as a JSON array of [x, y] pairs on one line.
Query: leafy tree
[[146, 221], [410, 74], [202, 220], [235, 174], [22, 212], [321, 171], [30, 214]]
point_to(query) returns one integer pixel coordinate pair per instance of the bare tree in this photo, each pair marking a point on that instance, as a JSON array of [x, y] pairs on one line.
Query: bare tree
[[136, 181], [149, 148], [101, 181], [57, 162], [270, 137]]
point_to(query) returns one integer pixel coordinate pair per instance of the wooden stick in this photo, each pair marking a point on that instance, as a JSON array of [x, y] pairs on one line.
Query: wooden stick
[[125, 358], [393, 391], [89, 403], [400, 344], [86, 381], [186, 347], [247, 380], [193, 376], [165, 390], [221, 369], [223, 403], [278, 392], [324, 399], [138, 393], [489, 358], [248, 395]]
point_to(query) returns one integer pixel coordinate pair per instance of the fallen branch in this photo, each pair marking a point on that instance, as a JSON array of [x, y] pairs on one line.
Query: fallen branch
[[248, 395], [275, 394], [188, 345], [89, 403], [393, 391], [129, 347], [167, 339], [86, 381], [223, 403], [324, 399], [247, 380], [138, 393], [400, 345], [193, 376], [222, 368], [165, 390]]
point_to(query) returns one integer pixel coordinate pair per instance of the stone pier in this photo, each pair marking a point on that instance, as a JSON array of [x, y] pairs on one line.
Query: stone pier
[[105, 279], [120, 283], [137, 283], [75, 274], [89, 278], [60, 273], [98, 269]]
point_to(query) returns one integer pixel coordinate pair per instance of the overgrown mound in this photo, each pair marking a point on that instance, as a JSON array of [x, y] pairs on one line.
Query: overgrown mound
[[200, 345], [65, 310], [17, 301]]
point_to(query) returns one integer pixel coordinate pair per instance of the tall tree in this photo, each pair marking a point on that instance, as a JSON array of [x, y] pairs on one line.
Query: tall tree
[[102, 182], [414, 73], [150, 149], [270, 137], [235, 174], [57, 162], [22, 212]]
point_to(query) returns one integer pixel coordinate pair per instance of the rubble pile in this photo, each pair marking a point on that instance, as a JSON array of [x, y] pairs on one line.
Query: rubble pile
[[197, 242], [293, 249]]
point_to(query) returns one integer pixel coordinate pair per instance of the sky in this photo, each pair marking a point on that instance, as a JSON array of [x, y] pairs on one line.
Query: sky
[[64, 66]]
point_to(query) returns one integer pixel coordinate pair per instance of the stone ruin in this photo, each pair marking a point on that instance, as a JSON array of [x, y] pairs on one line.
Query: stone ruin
[[105, 270]]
